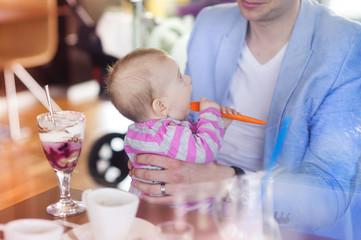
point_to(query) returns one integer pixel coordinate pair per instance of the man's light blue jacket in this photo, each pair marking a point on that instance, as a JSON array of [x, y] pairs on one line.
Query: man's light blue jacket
[[319, 88]]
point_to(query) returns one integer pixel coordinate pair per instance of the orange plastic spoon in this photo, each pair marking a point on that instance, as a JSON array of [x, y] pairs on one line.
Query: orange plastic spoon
[[195, 107]]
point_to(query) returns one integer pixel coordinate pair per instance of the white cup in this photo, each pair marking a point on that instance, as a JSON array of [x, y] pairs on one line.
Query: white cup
[[111, 212], [32, 229]]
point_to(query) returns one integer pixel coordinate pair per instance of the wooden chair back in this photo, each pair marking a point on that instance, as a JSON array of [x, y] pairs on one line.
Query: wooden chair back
[[28, 32]]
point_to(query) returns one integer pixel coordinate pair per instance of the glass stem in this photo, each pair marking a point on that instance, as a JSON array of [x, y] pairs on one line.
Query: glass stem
[[64, 185]]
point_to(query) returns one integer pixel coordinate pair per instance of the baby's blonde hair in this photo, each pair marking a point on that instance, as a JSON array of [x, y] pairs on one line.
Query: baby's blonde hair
[[129, 86]]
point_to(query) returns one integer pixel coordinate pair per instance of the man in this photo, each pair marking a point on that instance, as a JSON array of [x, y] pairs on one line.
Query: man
[[314, 80]]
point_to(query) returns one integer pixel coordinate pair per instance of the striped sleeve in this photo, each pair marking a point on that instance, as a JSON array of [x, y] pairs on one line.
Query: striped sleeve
[[139, 139], [189, 142], [200, 146]]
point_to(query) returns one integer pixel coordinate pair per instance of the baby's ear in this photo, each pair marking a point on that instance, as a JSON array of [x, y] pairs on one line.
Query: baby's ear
[[159, 108]]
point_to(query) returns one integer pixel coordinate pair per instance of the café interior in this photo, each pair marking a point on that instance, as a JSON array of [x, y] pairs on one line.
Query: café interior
[[67, 46]]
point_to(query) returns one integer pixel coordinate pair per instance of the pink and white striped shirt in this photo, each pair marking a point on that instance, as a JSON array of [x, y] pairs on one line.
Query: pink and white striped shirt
[[183, 140]]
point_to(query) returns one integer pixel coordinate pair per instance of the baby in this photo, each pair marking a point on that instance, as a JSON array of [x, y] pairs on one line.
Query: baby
[[147, 87]]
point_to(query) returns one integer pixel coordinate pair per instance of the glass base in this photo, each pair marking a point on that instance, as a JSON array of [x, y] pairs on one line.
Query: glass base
[[62, 210]]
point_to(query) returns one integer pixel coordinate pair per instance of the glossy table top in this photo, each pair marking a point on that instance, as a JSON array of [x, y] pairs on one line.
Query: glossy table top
[[35, 207]]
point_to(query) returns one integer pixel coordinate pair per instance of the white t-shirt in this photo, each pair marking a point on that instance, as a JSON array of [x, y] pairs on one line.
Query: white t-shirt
[[251, 94]]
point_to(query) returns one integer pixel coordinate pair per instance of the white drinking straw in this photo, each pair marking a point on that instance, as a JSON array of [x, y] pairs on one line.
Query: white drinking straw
[[32, 85], [49, 103]]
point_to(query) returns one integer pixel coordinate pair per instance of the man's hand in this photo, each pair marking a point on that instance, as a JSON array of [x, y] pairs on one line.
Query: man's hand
[[184, 182]]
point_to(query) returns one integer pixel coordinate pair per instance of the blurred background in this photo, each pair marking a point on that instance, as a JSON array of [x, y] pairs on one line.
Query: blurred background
[[68, 48], [92, 33]]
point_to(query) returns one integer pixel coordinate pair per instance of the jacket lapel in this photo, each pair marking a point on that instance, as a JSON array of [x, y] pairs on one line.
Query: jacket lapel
[[228, 54], [293, 66]]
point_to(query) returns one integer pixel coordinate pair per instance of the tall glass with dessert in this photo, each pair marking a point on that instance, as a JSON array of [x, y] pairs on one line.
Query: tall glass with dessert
[[62, 135]]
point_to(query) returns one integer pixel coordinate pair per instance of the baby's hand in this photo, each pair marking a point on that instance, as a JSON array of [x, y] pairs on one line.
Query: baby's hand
[[205, 103], [225, 109], [228, 121]]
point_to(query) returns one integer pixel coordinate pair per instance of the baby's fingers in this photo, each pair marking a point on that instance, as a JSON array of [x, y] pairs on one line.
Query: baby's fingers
[[228, 110], [224, 109], [234, 111]]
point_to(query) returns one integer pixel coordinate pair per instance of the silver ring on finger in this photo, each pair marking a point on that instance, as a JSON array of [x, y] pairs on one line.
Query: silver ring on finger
[[162, 189]]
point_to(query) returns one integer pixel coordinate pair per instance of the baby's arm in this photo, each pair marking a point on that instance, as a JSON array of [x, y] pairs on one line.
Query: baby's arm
[[205, 103]]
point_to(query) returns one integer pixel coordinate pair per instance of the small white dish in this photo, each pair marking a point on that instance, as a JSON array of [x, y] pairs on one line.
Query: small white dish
[[140, 229]]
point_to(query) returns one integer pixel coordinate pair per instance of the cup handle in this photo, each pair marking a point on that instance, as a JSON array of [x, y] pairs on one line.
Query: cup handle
[[2, 229], [84, 195]]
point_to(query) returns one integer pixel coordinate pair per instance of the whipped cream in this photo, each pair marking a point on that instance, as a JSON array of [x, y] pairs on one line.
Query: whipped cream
[[68, 125]]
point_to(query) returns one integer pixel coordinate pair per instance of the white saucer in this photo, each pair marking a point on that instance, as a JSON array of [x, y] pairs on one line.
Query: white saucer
[[141, 229]]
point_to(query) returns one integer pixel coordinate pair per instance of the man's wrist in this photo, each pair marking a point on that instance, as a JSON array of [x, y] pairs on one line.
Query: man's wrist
[[238, 171], [223, 172]]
